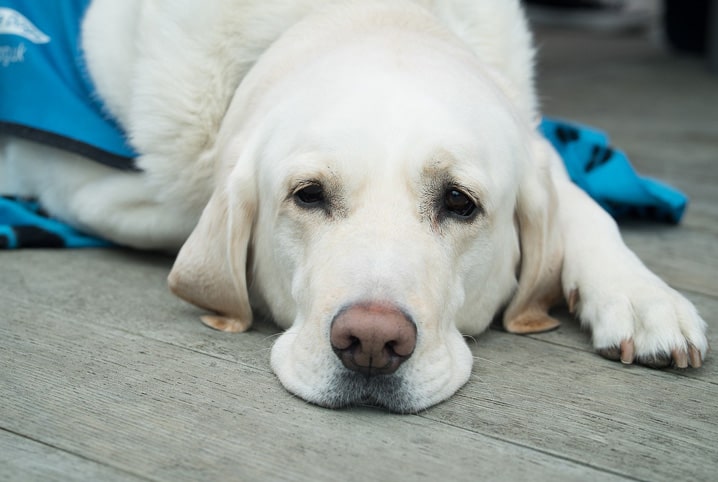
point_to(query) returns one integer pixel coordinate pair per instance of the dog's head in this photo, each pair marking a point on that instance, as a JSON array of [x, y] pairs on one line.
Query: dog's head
[[379, 195]]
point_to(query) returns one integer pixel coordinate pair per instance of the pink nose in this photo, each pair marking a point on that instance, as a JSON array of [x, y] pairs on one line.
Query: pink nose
[[373, 338]]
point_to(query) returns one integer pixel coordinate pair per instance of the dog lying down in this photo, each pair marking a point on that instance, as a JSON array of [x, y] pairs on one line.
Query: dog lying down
[[366, 173]]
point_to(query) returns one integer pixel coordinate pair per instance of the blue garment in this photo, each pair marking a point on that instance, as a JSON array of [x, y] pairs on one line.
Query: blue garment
[[45, 92], [607, 176]]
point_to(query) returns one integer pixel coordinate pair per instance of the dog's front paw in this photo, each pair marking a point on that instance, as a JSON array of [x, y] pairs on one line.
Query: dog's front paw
[[638, 318]]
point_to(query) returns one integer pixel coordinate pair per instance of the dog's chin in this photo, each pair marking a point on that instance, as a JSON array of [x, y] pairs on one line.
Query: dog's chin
[[390, 392], [395, 393], [344, 389]]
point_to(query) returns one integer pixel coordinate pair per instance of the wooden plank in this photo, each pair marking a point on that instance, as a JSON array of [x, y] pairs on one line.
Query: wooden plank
[[123, 290], [702, 214], [649, 424], [505, 364], [626, 85], [25, 460], [685, 257], [168, 413]]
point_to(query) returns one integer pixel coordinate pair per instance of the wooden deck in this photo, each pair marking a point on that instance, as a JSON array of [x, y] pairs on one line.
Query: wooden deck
[[105, 376]]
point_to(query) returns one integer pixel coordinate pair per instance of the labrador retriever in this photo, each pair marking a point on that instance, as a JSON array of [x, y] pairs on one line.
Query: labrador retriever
[[366, 173]]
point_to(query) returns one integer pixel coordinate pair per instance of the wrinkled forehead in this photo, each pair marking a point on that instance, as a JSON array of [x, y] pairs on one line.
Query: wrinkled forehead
[[361, 110]]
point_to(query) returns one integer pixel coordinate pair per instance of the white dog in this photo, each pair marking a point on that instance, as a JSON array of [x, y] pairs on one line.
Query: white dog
[[367, 173]]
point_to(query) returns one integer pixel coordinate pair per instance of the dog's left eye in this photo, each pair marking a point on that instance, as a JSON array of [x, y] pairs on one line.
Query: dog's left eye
[[309, 196], [459, 203]]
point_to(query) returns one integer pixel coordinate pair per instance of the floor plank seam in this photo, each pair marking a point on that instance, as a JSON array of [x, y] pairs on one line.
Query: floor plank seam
[[534, 449], [145, 336], [616, 365], [78, 455]]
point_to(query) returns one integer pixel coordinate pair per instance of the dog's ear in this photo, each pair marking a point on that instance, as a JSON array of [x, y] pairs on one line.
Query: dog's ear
[[210, 269], [541, 247]]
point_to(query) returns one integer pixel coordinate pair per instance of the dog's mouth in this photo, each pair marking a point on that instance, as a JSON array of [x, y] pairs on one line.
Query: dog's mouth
[[350, 389]]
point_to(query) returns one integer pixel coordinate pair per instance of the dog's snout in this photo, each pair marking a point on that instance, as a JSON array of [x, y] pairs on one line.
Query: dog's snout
[[373, 338]]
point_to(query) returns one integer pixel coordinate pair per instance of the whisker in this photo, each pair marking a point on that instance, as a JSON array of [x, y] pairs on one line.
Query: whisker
[[478, 378], [497, 364], [274, 335]]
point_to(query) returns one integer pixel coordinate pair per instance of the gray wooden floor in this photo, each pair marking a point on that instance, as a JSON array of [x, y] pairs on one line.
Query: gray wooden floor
[[105, 376]]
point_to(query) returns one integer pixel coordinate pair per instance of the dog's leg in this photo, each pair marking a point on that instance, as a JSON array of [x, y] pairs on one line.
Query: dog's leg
[[123, 208], [116, 205], [633, 315]]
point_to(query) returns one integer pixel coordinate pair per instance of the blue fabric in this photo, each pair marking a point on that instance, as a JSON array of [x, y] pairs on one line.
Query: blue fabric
[[45, 92], [24, 225], [608, 177]]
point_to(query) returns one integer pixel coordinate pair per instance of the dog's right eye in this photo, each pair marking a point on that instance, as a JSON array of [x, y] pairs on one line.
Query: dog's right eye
[[310, 196]]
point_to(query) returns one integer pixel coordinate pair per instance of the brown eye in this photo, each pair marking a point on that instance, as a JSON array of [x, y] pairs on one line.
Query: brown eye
[[310, 196], [459, 203]]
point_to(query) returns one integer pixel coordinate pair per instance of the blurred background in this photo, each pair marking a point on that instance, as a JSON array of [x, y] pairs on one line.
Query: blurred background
[[641, 71], [686, 26]]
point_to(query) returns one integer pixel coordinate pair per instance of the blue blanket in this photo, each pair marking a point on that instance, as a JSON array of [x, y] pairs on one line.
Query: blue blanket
[[602, 171], [608, 177], [23, 224]]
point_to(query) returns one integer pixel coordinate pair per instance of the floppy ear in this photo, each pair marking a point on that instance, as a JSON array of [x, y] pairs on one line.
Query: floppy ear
[[210, 269], [541, 247]]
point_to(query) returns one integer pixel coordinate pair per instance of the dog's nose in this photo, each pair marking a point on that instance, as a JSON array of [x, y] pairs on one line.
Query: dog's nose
[[373, 338]]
